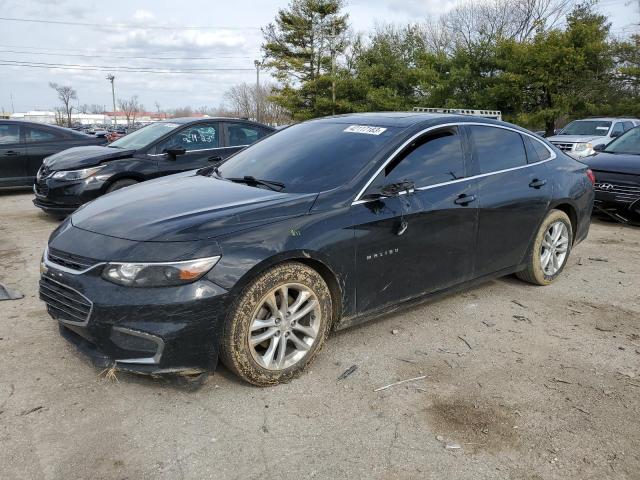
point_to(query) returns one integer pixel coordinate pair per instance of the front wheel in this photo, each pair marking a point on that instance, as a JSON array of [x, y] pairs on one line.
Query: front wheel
[[550, 251], [277, 325], [118, 184]]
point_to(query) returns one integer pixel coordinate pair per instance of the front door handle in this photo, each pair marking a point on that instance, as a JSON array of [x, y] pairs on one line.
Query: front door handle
[[464, 199], [217, 158], [538, 183], [11, 153]]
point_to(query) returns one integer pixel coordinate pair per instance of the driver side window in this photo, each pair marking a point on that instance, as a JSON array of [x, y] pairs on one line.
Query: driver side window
[[196, 137], [436, 157]]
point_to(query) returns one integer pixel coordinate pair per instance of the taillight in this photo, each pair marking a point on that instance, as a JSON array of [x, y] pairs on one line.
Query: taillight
[[591, 176]]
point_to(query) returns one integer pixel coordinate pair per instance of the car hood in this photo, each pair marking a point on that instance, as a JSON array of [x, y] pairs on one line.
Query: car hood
[[575, 138], [614, 162], [83, 157], [187, 207]]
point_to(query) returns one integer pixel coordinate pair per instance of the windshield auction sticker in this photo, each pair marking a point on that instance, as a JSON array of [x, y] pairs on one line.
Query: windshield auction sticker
[[366, 129]]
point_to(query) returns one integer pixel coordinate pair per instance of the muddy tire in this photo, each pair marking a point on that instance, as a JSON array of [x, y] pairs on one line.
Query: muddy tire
[[118, 184], [277, 325], [550, 251]]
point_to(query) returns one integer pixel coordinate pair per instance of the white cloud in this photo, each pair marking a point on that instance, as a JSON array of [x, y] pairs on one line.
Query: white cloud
[[143, 15]]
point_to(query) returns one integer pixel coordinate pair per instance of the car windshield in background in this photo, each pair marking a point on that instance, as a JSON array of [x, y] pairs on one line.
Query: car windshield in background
[[587, 127], [310, 157], [627, 143], [144, 136]]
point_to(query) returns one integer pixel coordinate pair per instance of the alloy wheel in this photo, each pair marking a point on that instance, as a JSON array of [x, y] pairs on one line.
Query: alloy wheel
[[284, 326], [555, 246]]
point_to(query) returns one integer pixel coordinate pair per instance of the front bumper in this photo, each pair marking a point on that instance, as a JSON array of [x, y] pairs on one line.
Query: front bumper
[[141, 330], [59, 197]]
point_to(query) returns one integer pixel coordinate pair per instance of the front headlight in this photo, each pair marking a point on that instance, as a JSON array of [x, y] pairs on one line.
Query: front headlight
[[77, 174], [581, 147], [158, 274]]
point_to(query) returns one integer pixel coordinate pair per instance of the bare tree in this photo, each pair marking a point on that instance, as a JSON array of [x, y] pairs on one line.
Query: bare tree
[[244, 99], [487, 20], [60, 117], [131, 108], [97, 109], [65, 94]]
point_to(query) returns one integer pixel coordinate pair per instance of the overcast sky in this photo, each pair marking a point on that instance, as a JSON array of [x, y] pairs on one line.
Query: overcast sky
[[232, 42]]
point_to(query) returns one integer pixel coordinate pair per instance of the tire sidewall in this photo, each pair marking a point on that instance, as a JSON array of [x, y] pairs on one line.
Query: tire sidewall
[[553, 217], [236, 351]]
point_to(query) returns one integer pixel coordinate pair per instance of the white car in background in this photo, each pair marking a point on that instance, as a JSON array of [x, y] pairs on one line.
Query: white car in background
[[580, 137]]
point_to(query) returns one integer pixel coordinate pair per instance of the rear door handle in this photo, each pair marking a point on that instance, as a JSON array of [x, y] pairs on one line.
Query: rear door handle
[[215, 159], [11, 153], [538, 183], [464, 199]]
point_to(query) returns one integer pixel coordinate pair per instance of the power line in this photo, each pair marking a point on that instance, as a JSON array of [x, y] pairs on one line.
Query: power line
[[127, 25], [103, 68], [123, 57]]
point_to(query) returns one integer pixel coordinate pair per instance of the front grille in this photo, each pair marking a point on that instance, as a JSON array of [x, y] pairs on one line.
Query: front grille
[[68, 260], [623, 193], [64, 303], [42, 188], [565, 147]]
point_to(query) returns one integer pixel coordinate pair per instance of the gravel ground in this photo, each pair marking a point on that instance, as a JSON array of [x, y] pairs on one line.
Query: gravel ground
[[529, 382]]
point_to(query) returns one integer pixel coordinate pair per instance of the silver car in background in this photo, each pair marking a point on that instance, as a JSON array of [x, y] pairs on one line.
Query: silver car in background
[[580, 137]]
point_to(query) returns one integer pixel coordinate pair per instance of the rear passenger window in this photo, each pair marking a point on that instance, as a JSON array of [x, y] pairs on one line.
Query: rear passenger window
[[432, 159], [497, 148], [35, 135], [536, 151]]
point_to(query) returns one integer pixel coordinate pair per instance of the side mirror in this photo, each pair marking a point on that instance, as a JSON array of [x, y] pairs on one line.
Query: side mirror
[[600, 147], [174, 150], [397, 189], [391, 190]]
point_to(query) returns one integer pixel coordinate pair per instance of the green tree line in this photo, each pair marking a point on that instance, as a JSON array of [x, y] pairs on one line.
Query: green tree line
[[538, 61]]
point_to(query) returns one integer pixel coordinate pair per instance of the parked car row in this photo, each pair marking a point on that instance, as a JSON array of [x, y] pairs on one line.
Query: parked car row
[[320, 226]]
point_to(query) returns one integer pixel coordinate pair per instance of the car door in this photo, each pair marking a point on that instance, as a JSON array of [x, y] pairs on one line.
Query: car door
[[513, 195], [13, 164], [41, 143], [239, 135], [435, 251], [202, 144]]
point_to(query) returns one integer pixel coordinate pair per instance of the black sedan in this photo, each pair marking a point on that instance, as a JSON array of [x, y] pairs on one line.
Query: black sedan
[[23, 146], [617, 171], [323, 225], [74, 177]]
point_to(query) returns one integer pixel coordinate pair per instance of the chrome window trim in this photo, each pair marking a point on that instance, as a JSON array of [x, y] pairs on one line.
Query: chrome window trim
[[71, 322], [62, 268], [553, 156], [147, 360], [188, 151]]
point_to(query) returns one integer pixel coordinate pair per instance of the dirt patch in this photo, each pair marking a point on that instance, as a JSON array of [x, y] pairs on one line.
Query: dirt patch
[[474, 425]]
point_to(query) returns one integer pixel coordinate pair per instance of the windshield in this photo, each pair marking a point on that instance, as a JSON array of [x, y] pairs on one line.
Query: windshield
[[310, 157], [144, 136], [626, 143], [597, 128]]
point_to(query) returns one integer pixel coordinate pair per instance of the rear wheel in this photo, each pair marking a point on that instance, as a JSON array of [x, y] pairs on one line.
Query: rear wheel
[[118, 184], [277, 325], [550, 251]]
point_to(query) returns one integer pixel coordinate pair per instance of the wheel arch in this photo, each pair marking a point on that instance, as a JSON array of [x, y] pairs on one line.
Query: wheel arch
[[122, 176], [312, 260], [572, 213]]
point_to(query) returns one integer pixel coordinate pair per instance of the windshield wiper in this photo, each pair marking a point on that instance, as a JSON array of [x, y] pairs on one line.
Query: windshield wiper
[[249, 180]]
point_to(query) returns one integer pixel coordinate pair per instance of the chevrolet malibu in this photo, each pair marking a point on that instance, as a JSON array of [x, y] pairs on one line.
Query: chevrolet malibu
[[321, 226]]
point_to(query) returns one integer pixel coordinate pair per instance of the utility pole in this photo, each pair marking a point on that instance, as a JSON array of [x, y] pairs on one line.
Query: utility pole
[[111, 78], [258, 95], [13, 110], [333, 67]]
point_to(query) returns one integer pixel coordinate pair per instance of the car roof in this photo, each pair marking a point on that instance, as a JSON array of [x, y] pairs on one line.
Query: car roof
[[62, 130], [188, 120], [407, 119], [608, 119]]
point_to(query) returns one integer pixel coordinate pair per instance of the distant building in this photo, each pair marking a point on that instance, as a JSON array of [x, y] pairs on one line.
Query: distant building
[[106, 118]]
